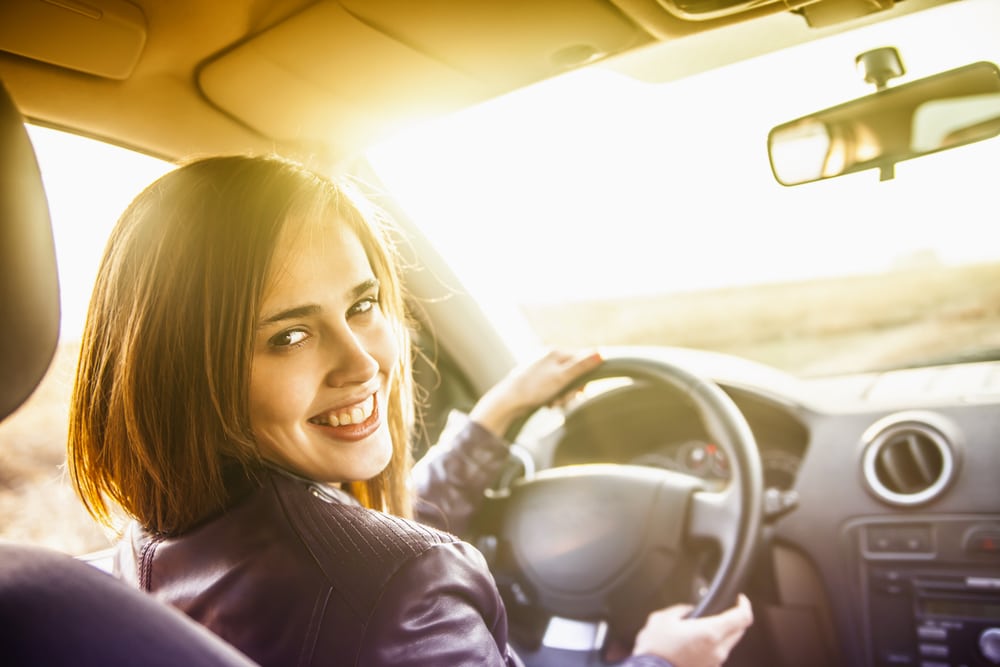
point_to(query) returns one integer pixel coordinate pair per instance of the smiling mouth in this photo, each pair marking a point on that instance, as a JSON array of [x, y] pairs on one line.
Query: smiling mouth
[[356, 418]]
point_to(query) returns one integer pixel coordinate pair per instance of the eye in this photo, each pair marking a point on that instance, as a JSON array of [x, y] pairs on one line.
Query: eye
[[289, 338], [364, 306]]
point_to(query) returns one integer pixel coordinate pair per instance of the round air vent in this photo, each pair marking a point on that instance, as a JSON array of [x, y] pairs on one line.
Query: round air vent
[[910, 457]]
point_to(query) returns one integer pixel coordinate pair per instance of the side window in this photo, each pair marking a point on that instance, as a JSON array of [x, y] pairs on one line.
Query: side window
[[439, 387], [88, 184]]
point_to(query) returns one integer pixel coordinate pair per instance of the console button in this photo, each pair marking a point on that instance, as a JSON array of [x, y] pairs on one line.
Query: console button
[[899, 539], [895, 658], [989, 644], [888, 581], [934, 650], [983, 542], [932, 632]]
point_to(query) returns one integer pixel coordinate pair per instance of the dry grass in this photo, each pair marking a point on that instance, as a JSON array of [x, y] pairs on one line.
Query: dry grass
[[809, 328], [37, 503]]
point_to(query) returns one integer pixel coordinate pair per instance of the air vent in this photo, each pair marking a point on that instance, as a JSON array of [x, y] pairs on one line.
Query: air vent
[[909, 458]]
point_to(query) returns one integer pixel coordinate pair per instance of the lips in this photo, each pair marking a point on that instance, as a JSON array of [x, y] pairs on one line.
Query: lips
[[351, 422]]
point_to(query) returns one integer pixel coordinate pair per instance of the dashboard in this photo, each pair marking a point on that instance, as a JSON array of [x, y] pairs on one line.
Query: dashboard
[[655, 426], [891, 553]]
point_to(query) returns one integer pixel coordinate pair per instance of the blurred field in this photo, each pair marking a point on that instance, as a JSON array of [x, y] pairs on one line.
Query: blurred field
[[809, 328], [37, 504]]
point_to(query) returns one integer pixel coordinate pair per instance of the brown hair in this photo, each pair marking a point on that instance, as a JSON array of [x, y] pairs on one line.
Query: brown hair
[[160, 406]]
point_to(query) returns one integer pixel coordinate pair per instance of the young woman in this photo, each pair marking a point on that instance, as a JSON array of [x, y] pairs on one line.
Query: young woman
[[244, 395]]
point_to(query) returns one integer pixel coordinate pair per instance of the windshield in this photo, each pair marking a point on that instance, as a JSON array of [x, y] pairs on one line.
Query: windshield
[[615, 210]]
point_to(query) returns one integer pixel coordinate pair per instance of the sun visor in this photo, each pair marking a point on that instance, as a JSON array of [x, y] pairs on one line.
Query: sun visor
[[108, 36], [357, 73], [323, 74]]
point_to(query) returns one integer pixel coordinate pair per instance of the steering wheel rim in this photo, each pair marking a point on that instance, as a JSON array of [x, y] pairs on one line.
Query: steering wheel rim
[[731, 517]]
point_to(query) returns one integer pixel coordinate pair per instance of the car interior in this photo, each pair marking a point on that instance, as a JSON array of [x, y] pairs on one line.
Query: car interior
[[809, 414], [100, 620]]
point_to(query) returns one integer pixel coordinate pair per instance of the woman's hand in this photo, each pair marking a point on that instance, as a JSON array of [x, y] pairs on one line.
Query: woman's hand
[[530, 386], [694, 642]]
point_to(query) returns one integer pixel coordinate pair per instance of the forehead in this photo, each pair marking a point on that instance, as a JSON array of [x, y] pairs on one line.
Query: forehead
[[314, 257]]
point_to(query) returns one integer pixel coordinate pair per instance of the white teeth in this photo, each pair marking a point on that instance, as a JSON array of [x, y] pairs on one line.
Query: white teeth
[[353, 415]]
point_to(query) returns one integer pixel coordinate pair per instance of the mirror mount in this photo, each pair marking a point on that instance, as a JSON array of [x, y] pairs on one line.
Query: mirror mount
[[893, 124], [879, 66]]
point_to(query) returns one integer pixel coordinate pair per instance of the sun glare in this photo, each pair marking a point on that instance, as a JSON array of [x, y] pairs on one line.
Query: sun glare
[[89, 184], [594, 185]]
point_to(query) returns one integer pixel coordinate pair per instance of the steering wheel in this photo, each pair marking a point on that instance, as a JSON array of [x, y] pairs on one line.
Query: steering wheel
[[583, 548]]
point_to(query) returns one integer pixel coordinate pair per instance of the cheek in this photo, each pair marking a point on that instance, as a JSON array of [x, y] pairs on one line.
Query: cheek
[[276, 395], [384, 347]]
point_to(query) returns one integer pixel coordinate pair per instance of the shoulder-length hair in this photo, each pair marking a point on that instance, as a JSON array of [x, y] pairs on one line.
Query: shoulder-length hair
[[160, 407]]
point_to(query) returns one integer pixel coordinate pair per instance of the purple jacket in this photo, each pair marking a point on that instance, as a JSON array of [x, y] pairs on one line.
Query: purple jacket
[[297, 573]]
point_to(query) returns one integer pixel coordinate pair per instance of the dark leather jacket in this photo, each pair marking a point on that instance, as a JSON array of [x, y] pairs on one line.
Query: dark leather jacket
[[297, 573]]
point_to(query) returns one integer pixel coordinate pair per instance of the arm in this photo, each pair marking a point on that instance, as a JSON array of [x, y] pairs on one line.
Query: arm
[[439, 608], [450, 479]]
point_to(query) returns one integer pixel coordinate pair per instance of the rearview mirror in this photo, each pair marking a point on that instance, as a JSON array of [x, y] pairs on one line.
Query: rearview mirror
[[943, 111]]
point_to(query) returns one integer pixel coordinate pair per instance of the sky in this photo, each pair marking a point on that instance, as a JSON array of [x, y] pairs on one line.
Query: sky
[[88, 184]]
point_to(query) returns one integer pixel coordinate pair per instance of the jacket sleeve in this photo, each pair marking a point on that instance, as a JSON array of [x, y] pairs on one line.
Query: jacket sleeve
[[439, 608], [450, 478], [449, 482]]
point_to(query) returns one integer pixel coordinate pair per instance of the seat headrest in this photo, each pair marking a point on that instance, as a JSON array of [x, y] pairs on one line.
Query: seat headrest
[[29, 284]]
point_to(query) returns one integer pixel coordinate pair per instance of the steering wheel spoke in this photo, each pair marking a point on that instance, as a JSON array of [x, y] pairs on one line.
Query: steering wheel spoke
[[712, 515]]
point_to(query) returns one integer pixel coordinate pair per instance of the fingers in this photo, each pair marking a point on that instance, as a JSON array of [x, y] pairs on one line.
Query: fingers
[[567, 368], [734, 620], [673, 613], [729, 625], [530, 386], [694, 642]]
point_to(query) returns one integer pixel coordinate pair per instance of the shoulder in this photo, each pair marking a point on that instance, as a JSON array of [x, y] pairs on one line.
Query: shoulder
[[441, 607], [350, 543], [400, 592], [332, 522]]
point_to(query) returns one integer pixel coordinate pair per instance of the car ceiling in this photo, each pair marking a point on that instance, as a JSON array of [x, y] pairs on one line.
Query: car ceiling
[[321, 80]]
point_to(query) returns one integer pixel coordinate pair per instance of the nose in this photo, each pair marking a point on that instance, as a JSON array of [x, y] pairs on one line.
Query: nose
[[350, 362]]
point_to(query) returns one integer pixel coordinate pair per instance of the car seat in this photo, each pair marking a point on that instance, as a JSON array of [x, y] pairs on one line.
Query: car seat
[[54, 609]]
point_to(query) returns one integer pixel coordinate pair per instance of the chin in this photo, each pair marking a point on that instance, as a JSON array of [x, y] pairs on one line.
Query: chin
[[375, 461]]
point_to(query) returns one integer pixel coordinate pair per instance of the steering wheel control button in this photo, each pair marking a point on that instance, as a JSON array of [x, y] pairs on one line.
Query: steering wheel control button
[[778, 503]]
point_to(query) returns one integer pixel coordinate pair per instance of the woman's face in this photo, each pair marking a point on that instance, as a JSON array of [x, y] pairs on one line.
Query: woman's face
[[323, 359]]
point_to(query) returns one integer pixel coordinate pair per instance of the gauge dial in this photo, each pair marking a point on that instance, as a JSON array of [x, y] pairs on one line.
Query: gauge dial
[[703, 459], [708, 461]]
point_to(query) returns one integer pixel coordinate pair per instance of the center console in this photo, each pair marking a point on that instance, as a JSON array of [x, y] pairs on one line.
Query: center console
[[932, 591]]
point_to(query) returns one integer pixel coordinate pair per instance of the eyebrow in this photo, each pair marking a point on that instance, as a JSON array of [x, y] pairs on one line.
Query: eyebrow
[[309, 309]]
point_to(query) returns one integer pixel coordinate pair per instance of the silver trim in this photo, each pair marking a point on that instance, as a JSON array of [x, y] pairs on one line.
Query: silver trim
[[523, 455], [928, 425], [572, 635]]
